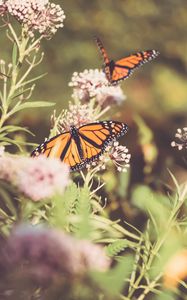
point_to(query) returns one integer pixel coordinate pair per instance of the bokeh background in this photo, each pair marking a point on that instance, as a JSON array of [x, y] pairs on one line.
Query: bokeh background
[[156, 103]]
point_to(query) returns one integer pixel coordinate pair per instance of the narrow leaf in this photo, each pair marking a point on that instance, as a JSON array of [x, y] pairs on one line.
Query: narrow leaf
[[31, 105], [33, 79], [8, 202], [14, 55], [13, 128]]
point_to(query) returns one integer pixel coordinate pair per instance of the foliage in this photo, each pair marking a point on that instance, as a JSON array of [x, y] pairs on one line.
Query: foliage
[[147, 231]]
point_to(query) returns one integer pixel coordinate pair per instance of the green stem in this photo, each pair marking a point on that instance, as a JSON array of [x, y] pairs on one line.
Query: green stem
[[14, 35], [22, 52], [117, 227], [156, 249], [4, 104], [136, 260], [26, 73], [33, 45], [150, 287], [104, 111], [7, 97]]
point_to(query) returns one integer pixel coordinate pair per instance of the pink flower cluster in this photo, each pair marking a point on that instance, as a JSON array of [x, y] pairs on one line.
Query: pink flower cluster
[[94, 84], [37, 178], [35, 15], [49, 253]]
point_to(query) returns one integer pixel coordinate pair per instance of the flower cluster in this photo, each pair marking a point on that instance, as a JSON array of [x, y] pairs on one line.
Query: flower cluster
[[116, 153], [49, 253], [76, 115], [35, 15], [181, 136], [93, 83], [37, 178], [3, 7]]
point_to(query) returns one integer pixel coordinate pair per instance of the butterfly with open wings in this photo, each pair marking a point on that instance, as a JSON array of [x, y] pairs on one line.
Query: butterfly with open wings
[[81, 146], [116, 71]]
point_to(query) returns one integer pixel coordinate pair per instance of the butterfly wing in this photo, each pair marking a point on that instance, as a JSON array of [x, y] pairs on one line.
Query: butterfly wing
[[103, 51], [61, 146], [107, 62], [124, 67], [92, 141], [95, 137]]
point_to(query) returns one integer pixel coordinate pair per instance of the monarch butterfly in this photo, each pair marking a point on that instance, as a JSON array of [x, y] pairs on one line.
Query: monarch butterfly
[[123, 68], [83, 145]]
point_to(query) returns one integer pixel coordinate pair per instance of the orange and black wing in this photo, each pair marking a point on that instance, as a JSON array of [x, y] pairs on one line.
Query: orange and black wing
[[103, 51], [89, 143], [95, 137], [61, 146], [107, 65], [124, 67]]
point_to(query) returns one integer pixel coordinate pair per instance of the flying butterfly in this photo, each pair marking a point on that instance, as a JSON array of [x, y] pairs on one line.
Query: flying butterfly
[[123, 68], [81, 146]]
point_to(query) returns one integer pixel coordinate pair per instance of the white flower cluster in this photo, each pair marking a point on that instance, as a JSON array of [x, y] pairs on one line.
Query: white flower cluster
[[116, 153], [93, 83], [35, 15], [181, 136], [76, 115]]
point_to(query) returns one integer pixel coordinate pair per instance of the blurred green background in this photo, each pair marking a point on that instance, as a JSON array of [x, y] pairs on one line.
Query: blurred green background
[[156, 102]]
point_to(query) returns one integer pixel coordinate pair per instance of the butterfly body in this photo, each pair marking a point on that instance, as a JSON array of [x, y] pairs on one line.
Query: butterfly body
[[75, 136], [108, 69], [81, 146], [116, 71]]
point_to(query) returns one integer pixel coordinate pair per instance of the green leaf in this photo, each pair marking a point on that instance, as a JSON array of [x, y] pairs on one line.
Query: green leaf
[[8, 141], [113, 281], [1, 97], [123, 183], [13, 128], [7, 199], [30, 104], [32, 80], [83, 212], [70, 197], [64, 207], [14, 55], [157, 204], [116, 247]]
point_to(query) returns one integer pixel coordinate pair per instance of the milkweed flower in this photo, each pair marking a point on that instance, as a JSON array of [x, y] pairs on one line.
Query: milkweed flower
[[42, 254], [108, 95], [76, 115], [94, 84], [116, 153], [3, 7], [120, 156], [37, 178], [181, 136], [35, 15]]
